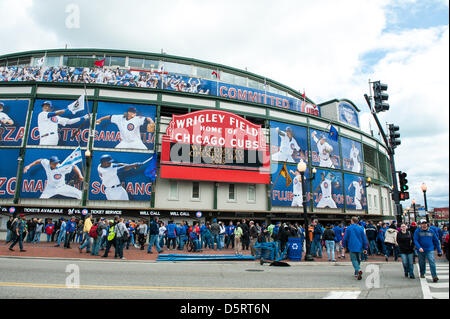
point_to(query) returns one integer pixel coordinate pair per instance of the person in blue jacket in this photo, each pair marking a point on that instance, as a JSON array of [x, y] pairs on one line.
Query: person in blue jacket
[[71, 226], [181, 231], [317, 237], [338, 231], [355, 241], [171, 235], [426, 241], [437, 231], [380, 238]]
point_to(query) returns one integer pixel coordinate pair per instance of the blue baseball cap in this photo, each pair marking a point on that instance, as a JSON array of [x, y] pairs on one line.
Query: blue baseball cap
[[54, 159], [48, 103], [106, 158]]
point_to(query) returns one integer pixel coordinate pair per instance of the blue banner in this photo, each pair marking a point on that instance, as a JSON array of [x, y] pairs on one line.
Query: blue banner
[[13, 114], [43, 176], [125, 126], [324, 151], [8, 172], [288, 143], [165, 81], [351, 155], [327, 189], [287, 186], [355, 190], [348, 115], [120, 176], [66, 129]]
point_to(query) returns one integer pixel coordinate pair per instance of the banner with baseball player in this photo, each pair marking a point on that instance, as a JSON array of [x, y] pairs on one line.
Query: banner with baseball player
[[327, 189], [351, 155], [121, 176], [8, 172], [125, 126], [287, 186], [13, 114], [324, 150], [52, 173], [288, 143], [355, 192], [60, 123]]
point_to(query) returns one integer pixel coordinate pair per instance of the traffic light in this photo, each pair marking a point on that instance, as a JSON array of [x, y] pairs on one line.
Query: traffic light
[[379, 96], [394, 136], [404, 194]]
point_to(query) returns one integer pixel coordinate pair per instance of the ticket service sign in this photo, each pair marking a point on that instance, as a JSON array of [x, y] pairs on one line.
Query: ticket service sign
[[214, 145]]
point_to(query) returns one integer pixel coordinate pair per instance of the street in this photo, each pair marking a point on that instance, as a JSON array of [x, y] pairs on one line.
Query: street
[[22, 277]]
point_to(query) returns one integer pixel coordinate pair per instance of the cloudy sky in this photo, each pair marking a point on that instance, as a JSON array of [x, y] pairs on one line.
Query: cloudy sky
[[328, 48]]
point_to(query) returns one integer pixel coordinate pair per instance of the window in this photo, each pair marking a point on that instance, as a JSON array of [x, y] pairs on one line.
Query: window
[[115, 61], [375, 204], [173, 190], [178, 68], [26, 61], [251, 193], [195, 190], [151, 64], [205, 73], [370, 201], [134, 62], [231, 192]]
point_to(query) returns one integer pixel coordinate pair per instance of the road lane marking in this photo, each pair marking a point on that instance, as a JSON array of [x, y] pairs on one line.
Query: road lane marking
[[343, 295], [172, 289]]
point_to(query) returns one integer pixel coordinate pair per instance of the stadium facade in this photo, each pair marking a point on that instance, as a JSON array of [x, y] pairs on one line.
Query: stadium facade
[[177, 138]]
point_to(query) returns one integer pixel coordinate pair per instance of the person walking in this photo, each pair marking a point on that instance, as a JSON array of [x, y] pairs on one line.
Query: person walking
[[426, 242], [355, 241], [390, 242], [222, 235], [215, 231], [9, 230], [62, 232], [172, 235], [405, 242], [142, 231], [20, 230], [339, 234], [329, 237], [110, 237], [86, 228], [253, 237], [317, 238], [371, 233], [245, 235]]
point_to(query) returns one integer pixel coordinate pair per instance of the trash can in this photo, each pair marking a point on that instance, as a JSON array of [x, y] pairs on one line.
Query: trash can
[[295, 249]]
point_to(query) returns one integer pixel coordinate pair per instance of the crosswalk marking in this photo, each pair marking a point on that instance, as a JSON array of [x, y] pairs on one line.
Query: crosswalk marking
[[427, 284]]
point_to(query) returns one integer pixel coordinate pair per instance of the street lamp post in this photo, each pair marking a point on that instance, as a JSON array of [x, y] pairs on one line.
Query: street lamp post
[[302, 168], [413, 202], [424, 190]]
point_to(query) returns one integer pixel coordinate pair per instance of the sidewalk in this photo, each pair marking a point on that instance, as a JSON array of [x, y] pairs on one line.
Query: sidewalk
[[48, 250]]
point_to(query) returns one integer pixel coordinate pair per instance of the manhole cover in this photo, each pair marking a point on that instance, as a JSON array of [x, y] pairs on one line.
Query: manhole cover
[[254, 270]]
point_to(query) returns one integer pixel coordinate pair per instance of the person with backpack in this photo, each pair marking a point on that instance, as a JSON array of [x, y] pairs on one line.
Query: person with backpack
[[95, 238], [371, 233], [49, 229], [328, 236], [390, 242], [9, 230], [70, 232], [122, 235], [355, 241], [20, 230], [194, 235], [405, 242], [215, 231], [131, 231]]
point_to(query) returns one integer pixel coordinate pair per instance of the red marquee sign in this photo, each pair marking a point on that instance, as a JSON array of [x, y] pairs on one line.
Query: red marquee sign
[[214, 145]]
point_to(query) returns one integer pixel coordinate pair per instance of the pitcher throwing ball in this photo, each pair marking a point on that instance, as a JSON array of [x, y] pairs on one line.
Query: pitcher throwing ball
[[129, 125]]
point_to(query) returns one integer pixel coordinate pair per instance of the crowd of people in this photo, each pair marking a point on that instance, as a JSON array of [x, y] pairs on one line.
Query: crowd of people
[[360, 239], [109, 76]]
